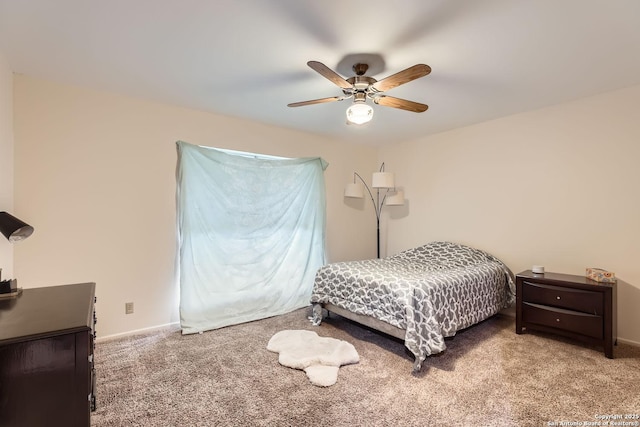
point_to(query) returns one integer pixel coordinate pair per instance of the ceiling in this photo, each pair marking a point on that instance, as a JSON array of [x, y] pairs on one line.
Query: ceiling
[[490, 58]]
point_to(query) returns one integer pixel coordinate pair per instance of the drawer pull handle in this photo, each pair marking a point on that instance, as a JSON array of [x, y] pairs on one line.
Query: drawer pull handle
[[557, 320], [558, 297]]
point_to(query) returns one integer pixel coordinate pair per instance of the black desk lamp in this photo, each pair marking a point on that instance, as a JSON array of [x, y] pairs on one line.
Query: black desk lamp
[[14, 230]]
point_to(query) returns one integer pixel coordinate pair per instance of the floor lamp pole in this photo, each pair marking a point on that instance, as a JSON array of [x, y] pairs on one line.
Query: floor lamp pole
[[378, 237], [378, 208]]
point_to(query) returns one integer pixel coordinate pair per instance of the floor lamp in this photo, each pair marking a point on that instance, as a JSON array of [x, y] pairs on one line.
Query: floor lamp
[[382, 182]]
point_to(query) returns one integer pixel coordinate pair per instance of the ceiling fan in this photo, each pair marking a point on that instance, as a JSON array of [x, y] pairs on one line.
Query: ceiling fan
[[361, 88]]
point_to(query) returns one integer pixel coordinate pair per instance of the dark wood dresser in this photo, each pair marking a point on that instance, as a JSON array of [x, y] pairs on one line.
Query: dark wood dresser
[[47, 376], [569, 305]]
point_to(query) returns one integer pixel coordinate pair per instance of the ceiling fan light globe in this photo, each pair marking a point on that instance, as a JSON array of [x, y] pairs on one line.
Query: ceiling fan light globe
[[359, 113]]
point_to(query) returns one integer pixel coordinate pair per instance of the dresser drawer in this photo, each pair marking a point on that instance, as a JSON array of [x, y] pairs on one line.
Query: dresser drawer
[[563, 297], [581, 323]]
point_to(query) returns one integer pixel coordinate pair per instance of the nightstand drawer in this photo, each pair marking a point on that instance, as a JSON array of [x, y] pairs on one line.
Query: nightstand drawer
[[563, 297], [582, 323]]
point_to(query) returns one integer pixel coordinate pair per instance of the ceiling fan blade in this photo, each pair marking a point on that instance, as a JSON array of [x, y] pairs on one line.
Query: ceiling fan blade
[[402, 77], [403, 104], [316, 101], [328, 73]]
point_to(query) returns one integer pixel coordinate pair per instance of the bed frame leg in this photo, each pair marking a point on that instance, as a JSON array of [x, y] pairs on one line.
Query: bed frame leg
[[316, 317]]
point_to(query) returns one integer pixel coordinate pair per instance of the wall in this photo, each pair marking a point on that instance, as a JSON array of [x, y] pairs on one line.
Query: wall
[[6, 160], [556, 187], [95, 174]]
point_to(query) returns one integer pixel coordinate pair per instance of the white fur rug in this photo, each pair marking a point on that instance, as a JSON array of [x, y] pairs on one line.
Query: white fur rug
[[319, 357]]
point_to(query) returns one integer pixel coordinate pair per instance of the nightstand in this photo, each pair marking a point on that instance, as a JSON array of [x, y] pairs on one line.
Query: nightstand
[[568, 305]]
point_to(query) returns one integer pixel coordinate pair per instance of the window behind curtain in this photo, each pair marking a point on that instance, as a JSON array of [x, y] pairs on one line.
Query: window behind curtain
[[251, 235]]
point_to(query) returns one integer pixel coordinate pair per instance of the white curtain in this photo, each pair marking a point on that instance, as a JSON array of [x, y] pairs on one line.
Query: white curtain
[[251, 235]]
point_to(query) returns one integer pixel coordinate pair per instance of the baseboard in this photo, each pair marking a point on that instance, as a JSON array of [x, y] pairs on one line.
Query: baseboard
[[137, 331], [628, 342]]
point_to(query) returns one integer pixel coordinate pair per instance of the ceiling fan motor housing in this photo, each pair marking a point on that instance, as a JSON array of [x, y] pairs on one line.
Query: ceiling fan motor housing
[[361, 84]]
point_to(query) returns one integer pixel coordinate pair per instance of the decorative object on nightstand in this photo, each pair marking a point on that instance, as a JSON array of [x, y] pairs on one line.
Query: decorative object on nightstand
[[573, 306], [9, 288], [600, 275], [380, 180]]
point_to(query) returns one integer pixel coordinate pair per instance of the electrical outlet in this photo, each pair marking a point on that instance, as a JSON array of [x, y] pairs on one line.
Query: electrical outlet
[[128, 308]]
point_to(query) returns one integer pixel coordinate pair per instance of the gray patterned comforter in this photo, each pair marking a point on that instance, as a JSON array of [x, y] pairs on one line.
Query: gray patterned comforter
[[431, 291]]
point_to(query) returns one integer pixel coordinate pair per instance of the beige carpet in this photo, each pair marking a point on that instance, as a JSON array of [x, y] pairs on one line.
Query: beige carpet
[[488, 376]]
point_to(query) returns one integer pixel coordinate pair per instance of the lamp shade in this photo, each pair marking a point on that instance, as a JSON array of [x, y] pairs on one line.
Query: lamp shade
[[13, 228], [383, 180], [354, 189], [395, 199]]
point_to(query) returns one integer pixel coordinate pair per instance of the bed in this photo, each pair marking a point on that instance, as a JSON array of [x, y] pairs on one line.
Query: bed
[[420, 295]]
